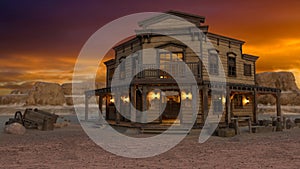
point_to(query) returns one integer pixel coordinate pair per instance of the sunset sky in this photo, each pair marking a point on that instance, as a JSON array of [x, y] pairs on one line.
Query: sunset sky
[[40, 40]]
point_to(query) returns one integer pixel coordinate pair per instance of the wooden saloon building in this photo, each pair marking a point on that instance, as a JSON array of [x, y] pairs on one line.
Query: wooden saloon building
[[152, 87]]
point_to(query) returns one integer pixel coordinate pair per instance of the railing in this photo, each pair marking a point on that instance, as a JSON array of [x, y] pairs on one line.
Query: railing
[[168, 70]]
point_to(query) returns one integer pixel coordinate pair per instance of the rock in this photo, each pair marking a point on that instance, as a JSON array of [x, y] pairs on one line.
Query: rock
[[282, 80], [69, 101], [67, 88], [15, 128], [46, 94], [13, 99]]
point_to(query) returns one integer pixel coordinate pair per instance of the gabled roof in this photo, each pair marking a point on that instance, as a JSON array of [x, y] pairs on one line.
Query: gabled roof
[[195, 19], [171, 44]]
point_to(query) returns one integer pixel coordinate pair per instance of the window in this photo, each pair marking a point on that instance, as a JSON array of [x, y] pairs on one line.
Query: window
[[213, 63], [231, 66], [247, 70], [169, 56], [218, 107], [165, 63], [122, 68]]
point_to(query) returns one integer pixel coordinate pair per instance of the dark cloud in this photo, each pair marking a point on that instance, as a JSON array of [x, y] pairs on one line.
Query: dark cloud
[[41, 39]]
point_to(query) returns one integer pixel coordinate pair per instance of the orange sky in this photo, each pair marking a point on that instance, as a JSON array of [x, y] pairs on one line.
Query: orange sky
[[41, 40]]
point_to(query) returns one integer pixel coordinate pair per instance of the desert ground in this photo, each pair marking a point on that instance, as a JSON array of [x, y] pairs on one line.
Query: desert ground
[[70, 147]]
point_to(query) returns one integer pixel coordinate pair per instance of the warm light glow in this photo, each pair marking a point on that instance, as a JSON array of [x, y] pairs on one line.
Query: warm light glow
[[125, 99], [112, 100], [245, 100], [223, 100], [154, 95], [185, 95]]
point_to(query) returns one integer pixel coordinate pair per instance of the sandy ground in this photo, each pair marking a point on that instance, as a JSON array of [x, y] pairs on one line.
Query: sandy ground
[[70, 147]]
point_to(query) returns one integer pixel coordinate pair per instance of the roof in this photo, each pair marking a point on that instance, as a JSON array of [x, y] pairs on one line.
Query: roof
[[196, 19], [250, 57]]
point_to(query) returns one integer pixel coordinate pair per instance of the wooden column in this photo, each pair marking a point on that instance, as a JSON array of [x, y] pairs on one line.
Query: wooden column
[[160, 108], [86, 107], [144, 99], [254, 102], [278, 105], [194, 103], [205, 102], [100, 103], [118, 104], [133, 103], [107, 98], [228, 105]]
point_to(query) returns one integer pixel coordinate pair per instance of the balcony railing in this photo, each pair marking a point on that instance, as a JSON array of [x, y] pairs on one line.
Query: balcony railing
[[170, 69]]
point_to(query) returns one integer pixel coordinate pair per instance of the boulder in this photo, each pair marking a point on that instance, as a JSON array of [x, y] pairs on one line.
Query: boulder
[[15, 128], [46, 94]]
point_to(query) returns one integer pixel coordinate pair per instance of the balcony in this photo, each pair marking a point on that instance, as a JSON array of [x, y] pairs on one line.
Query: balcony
[[169, 70]]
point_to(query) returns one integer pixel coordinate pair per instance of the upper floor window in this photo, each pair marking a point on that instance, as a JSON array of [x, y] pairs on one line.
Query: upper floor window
[[122, 68], [170, 56], [247, 70], [231, 64], [213, 61]]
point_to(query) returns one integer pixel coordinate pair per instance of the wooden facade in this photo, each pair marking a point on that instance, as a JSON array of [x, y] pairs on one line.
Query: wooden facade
[[237, 96]]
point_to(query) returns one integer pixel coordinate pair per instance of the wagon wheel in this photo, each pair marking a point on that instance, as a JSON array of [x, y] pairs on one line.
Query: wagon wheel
[[19, 117]]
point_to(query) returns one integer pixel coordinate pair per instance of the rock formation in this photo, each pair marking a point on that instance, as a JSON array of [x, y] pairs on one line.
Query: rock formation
[[46, 94], [285, 81], [282, 80]]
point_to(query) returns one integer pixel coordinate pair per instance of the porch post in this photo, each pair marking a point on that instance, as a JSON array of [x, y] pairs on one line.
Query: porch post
[[205, 102], [194, 104], [86, 107], [255, 106], [144, 100], [278, 106], [118, 104], [228, 105], [160, 108], [100, 104], [133, 103]]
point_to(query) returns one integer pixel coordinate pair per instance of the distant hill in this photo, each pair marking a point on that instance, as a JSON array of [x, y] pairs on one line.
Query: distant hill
[[45, 93]]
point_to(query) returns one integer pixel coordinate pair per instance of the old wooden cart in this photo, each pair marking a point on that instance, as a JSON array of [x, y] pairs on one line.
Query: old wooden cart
[[35, 118]]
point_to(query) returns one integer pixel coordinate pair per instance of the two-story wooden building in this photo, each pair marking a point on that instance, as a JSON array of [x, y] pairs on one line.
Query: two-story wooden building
[[155, 89]]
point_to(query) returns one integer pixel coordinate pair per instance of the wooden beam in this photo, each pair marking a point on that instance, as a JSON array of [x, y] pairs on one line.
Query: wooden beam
[[254, 102], [86, 107], [205, 102], [144, 99], [118, 104], [278, 105], [228, 105], [133, 102]]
